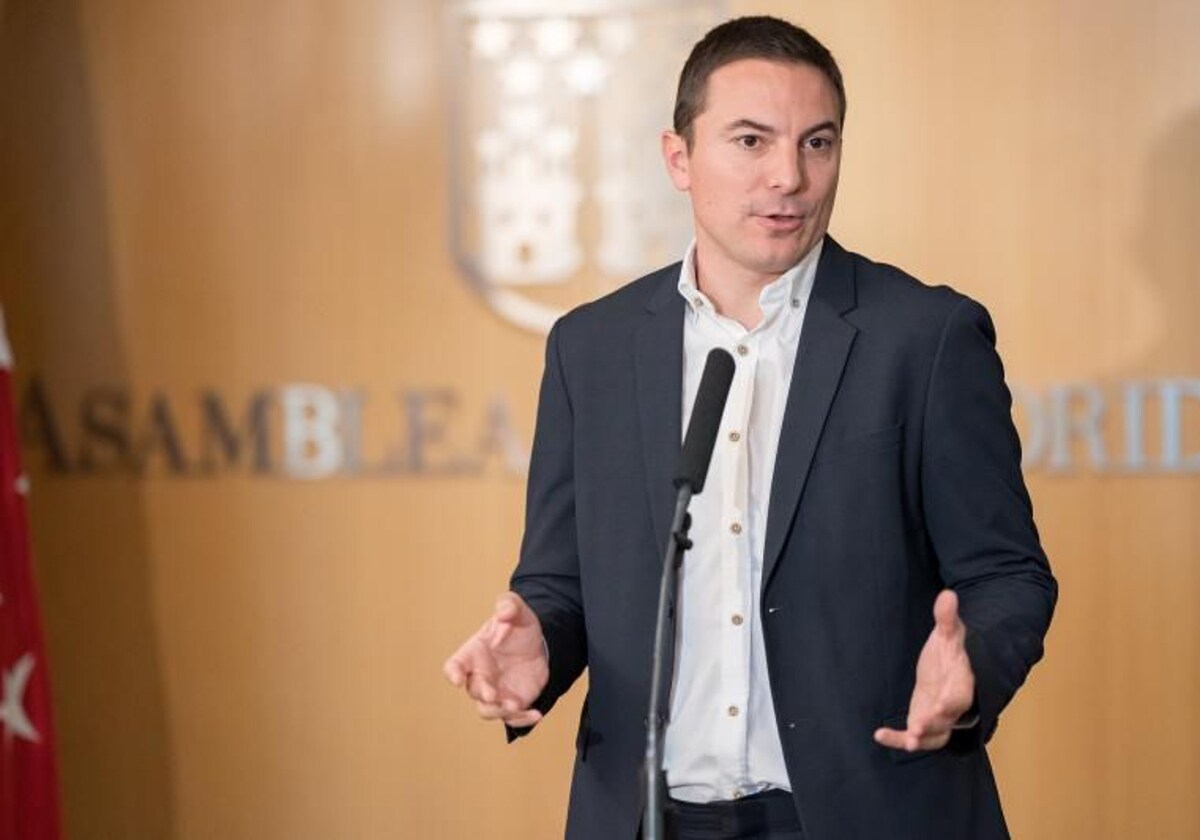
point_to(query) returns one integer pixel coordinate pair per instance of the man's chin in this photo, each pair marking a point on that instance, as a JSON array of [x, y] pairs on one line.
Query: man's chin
[[784, 259]]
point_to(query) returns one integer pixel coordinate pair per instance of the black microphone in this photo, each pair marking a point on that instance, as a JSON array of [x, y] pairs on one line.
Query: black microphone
[[706, 420]]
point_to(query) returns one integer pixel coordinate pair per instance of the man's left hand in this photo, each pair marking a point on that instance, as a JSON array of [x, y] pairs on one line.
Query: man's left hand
[[945, 687]]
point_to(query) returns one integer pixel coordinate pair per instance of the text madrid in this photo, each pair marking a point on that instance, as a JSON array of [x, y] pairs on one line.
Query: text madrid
[[307, 431]]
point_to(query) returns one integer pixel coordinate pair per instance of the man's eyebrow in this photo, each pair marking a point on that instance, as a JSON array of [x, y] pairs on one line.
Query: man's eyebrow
[[828, 125], [751, 124]]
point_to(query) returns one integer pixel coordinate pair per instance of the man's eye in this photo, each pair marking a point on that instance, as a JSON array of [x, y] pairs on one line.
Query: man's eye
[[749, 141], [819, 144]]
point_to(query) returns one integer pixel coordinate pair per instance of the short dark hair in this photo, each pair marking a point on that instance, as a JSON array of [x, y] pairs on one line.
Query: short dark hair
[[758, 36]]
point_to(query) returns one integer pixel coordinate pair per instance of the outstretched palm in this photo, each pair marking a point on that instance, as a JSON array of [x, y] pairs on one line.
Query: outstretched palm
[[503, 666], [945, 684]]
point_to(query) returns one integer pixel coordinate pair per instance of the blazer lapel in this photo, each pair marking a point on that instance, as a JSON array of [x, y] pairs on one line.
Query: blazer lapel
[[825, 342], [658, 368]]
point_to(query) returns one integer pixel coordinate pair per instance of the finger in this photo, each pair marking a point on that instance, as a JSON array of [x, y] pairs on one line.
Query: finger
[[934, 741], [515, 718], [918, 725], [897, 739], [464, 661], [937, 719], [928, 716], [455, 672], [469, 659], [508, 606], [506, 615], [480, 688], [930, 725], [910, 742], [931, 728], [490, 711], [945, 613], [512, 706], [526, 718]]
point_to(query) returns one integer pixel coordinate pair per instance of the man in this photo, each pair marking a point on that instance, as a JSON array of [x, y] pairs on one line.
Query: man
[[867, 589]]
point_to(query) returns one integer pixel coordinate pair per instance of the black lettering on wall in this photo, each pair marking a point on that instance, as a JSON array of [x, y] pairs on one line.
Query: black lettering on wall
[[223, 444]]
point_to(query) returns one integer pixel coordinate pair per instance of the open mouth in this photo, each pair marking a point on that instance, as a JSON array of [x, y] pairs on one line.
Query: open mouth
[[781, 221]]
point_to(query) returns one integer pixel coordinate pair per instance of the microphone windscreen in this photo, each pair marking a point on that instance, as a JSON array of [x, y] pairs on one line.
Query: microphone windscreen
[[706, 420]]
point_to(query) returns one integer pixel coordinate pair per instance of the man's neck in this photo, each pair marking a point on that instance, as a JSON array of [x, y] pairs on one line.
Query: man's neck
[[736, 294]]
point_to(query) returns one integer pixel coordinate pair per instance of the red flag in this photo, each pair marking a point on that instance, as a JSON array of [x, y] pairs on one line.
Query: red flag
[[28, 778]]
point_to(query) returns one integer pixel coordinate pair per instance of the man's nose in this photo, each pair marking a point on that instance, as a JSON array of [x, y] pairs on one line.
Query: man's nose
[[787, 172]]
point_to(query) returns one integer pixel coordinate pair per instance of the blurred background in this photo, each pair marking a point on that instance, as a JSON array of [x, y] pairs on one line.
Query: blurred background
[[277, 277]]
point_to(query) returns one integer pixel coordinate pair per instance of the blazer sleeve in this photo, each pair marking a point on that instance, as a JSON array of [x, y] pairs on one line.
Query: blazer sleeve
[[979, 516], [547, 575]]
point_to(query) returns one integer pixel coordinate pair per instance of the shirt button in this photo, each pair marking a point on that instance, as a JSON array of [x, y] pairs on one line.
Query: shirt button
[[737, 794], [733, 711], [795, 303], [698, 301], [737, 620], [736, 527], [742, 350], [735, 436]]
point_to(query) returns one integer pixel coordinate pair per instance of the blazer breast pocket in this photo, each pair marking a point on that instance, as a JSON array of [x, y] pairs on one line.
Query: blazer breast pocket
[[856, 443]]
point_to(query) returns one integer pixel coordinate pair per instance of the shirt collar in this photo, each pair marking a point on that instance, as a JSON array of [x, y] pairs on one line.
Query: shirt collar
[[794, 285]]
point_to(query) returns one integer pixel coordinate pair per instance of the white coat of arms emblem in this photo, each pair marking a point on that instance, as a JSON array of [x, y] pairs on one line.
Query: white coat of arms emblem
[[558, 189]]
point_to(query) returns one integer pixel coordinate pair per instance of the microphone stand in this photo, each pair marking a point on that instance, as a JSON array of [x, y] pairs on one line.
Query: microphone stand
[[664, 662], [694, 458]]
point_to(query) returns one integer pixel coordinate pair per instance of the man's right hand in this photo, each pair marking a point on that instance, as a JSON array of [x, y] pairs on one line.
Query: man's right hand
[[503, 667]]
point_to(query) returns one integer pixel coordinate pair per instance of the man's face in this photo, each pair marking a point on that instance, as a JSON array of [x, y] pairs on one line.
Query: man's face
[[762, 170]]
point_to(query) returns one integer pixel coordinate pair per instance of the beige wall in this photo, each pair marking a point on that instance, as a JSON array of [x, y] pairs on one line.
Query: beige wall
[[229, 198]]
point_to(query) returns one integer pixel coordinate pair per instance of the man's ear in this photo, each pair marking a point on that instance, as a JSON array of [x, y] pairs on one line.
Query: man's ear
[[675, 156]]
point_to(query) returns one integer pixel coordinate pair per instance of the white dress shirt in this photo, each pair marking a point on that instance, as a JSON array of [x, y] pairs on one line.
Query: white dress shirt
[[722, 742]]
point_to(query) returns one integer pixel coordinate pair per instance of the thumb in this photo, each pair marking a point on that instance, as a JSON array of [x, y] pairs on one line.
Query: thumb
[[510, 608], [945, 613]]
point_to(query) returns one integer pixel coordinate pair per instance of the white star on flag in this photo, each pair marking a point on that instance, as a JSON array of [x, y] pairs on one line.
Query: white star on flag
[[12, 707]]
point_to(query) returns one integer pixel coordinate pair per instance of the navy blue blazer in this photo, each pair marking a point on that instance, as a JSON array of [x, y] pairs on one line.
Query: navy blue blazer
[[898, 474]]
